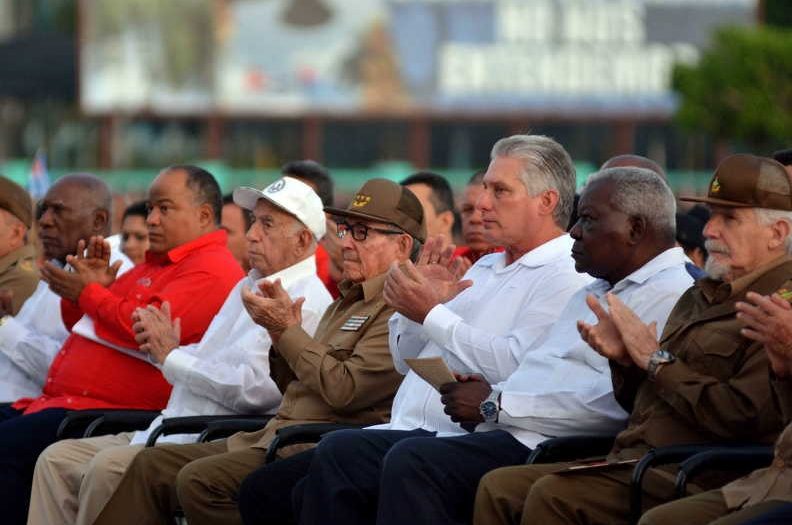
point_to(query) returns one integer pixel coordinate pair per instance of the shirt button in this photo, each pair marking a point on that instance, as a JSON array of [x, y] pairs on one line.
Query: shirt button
[[85, 392], [68, 400], [49, 380]]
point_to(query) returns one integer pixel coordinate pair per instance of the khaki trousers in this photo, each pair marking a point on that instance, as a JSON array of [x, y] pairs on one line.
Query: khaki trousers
[[74, 478], [539, 494], [705, 508], [203, 479]]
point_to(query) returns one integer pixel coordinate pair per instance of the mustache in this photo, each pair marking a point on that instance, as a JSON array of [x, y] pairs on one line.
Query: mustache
[[716, 247]]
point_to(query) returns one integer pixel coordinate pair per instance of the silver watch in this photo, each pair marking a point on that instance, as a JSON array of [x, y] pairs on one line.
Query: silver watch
[[490, 407], [659, 357]]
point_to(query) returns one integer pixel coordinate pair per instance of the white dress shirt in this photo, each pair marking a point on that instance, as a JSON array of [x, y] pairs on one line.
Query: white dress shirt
[[486, 329], [30, 340], [227, 372], [562, 386]]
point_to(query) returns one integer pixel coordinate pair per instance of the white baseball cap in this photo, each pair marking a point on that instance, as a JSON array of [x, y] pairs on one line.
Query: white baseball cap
[[292, 196]]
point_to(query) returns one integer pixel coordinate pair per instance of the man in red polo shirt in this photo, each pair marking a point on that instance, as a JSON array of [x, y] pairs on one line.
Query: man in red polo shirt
[[98, 366]]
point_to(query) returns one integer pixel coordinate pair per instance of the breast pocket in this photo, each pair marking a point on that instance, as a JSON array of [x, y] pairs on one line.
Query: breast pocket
[[717, 353], [343, 344]]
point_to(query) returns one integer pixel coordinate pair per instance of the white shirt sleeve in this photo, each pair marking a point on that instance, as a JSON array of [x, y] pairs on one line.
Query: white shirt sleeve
[[576, 391], [29, 350], [243, 387], [497, 356], [406, 339]]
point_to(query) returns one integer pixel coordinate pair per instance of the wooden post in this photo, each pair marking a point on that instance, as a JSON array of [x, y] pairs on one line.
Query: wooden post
[[312, 139], [420, 143]]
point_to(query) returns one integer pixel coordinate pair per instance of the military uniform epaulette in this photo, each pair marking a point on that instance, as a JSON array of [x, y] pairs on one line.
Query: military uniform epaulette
[[785, 292]]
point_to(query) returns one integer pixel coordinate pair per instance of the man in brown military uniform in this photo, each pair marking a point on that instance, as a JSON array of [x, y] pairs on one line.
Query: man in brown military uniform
[[768, 490], [18, 272], [343, 374], [702, 382]]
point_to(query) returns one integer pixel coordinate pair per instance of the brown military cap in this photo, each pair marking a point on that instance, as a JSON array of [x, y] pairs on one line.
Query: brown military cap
[[15, 200], [747, 181], [384, 201]]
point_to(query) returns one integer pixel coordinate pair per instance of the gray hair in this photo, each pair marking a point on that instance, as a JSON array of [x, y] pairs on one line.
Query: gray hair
[[766, 217], [546, 166], [415, 250], [640, 192]]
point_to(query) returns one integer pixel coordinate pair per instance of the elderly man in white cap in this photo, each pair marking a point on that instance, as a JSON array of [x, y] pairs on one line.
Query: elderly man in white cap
[[227, 372]]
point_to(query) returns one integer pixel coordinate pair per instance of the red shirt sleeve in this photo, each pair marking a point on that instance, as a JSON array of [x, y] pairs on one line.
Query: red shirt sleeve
[[70, 313], [195, 294]]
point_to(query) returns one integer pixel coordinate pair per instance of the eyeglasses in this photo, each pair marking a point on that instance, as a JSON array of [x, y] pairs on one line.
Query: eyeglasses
[[360, 231]]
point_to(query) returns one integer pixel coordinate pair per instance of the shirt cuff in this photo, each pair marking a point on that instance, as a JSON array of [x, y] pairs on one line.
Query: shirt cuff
[[439, 324], [92, 297], [11, 333], [177, 366], [670, 375], [291, 343]]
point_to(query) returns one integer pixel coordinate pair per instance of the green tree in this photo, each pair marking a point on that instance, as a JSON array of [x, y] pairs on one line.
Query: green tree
[[741, 88]]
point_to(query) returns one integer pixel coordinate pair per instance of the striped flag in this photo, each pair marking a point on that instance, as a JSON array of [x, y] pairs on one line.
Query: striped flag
[[38, 180]]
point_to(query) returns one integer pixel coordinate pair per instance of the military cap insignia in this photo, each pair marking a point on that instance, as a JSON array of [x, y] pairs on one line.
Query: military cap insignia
[[354, 323], [26, 266], [276, 186], [786, 294], [715, 186], [360, 200]]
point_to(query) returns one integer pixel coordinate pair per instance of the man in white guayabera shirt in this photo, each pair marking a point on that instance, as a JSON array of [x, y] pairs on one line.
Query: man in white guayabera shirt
[[625, 238], [75, 207], [226, 372]]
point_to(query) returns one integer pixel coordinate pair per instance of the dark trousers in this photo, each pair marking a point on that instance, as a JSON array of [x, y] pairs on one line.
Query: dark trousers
[[22, 438], [396, 477], [265, 496], [781, 514]]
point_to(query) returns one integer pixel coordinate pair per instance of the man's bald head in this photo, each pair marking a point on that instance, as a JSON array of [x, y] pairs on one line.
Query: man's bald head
[[95, 191], [75, 207], [634, 161]]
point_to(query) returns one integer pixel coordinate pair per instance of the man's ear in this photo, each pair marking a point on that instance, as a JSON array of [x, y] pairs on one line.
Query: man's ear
[[100, 221], [638, 228], [305, 240], [780, 231], [548, 202], [447, 217], [405, 245], [206, 216]]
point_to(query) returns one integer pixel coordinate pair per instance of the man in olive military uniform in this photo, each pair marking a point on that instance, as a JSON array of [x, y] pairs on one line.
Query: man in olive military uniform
[[343, 374], [18, 272], [703, 381]]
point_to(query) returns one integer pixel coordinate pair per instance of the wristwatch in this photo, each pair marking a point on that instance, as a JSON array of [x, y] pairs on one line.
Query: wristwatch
[[656, 360], [490, 407]]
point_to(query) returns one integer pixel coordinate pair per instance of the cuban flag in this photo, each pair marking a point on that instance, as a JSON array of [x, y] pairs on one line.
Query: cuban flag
[[38, 180]]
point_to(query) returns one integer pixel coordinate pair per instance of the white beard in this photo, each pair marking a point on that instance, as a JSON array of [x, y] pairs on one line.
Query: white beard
[[716, 269]]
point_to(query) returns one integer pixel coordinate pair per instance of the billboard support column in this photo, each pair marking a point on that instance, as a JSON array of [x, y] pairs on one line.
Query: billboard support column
[[107, 125], [312, 139], [214, 137], [420, 141], [623, 137]]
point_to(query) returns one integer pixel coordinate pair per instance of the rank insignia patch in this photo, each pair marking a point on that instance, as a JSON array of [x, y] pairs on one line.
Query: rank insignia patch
[[354, 323]]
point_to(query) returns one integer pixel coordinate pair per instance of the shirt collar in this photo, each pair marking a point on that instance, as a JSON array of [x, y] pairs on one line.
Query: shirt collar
[[539, 256], [288, 276], [177, 254], [716, 291], [23, 252], [369, 289], [667, 259]]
